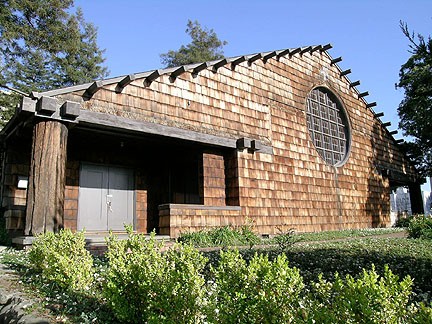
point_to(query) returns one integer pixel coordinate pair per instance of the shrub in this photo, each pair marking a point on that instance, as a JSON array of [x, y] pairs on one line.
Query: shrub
[[403, 221], [144, 285], [62, 259], [222, 236], [368, 299], [285, 239], [420, 227], [262, 292]]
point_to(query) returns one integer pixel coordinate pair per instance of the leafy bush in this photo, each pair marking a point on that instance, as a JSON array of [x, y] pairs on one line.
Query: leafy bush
[[403, 221], [144, 285], [262, 292], [62, 259], [368, 299], [420, 227], [222, 236], [285, 239]]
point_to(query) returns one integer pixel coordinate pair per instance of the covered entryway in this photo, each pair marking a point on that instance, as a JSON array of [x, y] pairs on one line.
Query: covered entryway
[[106, 198]]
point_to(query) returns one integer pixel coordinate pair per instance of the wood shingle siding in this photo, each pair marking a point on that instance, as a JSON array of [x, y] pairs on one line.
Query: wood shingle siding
[[213, 143]]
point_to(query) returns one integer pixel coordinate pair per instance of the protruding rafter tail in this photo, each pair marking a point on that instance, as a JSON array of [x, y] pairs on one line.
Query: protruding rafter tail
[[295, 51], [345, 72], [336, 60], [150, 78], [354, 84], [174, 74], [268, 56], [124, 82], [282, 53], [363, 94], [237, 61], [305, 50], [93, 88], [254, 58], [199, 68], [326, 47], [219, 64]]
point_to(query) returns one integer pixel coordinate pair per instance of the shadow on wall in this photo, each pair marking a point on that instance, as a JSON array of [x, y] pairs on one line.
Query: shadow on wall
[[378, 200]]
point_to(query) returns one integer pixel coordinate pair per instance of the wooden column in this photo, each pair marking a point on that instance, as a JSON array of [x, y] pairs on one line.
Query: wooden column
[[416, 198], [45, 197]]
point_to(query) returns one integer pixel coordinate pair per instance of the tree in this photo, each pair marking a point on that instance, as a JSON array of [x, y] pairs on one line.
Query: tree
[[205, 46], [45, 44], [415, 110]]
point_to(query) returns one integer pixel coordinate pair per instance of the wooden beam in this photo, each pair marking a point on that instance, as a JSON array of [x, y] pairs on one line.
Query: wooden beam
[[399, 141], [295, 51], [237, 61], [283, 53], [268, 56], [363, 94], [326, 47], [177, 72], [199, 68], [254, 58], [219, 64], [386, 124], [100, 120], [378, 115], [124, 82], [316, 48], [46, 106], [305, 50], [336, 60], [93, 88], [371, 104], [354, 84], [393, 132], [345, 72], [150, 78]]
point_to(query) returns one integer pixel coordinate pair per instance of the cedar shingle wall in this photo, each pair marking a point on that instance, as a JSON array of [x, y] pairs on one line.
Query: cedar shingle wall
[[293, 187]]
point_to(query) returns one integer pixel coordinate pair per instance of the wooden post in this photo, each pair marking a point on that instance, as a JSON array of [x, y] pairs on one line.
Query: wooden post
[[416, 198], [46, 187]]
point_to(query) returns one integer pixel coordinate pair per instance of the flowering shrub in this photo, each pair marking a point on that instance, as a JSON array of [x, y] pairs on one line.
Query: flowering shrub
[[62, 259], [262, 292], [144, 285]]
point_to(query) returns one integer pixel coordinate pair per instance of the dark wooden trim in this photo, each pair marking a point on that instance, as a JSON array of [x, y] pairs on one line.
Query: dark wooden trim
[[111, 121]]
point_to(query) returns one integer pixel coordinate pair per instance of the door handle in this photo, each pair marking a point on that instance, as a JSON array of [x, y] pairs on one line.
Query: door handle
[[109, 204]]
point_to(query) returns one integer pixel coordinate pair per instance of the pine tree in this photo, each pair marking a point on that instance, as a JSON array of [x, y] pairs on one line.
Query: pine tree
[[205, 46], [45, 44], [415, 110]]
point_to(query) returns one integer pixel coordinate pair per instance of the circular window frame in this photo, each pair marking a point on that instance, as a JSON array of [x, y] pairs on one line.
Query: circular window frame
[[345, 122]]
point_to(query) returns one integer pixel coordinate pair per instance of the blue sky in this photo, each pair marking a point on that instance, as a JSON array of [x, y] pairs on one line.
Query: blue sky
[[365, 33]]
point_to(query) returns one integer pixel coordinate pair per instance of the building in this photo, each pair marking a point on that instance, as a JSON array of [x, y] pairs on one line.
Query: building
[[282, 138]]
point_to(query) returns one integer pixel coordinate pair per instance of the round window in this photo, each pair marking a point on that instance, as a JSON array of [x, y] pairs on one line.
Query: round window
[[328, 126]]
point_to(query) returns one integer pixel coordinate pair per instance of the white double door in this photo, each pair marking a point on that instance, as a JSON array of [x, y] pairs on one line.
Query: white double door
[[106, 198]]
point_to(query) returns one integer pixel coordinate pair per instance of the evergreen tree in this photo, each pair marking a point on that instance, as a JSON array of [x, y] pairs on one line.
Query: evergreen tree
[[45, 44], [415, 110], [205, 46]]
